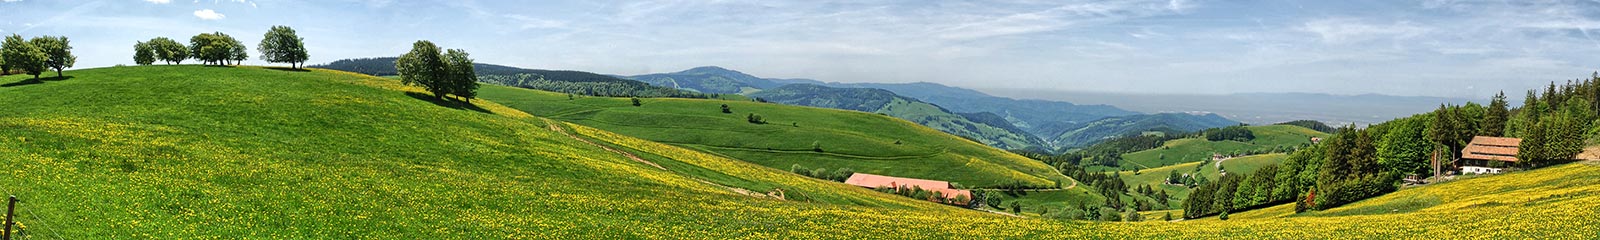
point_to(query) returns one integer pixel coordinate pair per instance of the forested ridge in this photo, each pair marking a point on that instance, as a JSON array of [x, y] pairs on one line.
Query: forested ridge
[[1355, 164]]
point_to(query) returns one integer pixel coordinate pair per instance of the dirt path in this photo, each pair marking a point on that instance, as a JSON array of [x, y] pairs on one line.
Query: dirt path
[[555, 126]]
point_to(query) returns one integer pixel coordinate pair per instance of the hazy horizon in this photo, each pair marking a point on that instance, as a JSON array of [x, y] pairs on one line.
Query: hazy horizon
[[1458, 49]]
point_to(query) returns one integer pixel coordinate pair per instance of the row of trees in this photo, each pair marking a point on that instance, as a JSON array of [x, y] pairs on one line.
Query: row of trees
[[589, 88], [279, 45], [439, 72], [837, 175], [37, 55], [1356, 164], [1235, 133]]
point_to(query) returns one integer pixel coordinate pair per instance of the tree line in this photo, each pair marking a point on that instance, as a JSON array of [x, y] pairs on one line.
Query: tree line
[[37, 55], [589, 88], [1234, 133], [1356, 164], [279, 45]]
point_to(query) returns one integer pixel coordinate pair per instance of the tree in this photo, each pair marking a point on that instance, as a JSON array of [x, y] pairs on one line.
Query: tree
[[213, 48], [1016, 208], [57, 51], [282, 45], [143, 53], [22, 55], [237, 53], [636, 102], [463, 81], [169, 50], [1404, 149], [1494, 121], [725, 109], [424, 66]]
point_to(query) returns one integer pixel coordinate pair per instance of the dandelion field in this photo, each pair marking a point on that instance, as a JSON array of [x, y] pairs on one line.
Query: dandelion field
[[190, 152]]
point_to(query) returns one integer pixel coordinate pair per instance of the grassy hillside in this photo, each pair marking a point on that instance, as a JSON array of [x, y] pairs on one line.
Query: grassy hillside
[[1564, 199], [1069, 136], [1198, 149], [864, 142], [182, 152]]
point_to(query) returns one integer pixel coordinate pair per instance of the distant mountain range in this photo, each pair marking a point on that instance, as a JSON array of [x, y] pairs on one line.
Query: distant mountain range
[[1049, 124], [1261, 108]]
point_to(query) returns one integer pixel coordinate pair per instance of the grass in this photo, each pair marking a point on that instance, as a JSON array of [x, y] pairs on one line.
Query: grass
[[1198, 149], [864, 142], [1557, 202], [189, 152], [1156, 177]]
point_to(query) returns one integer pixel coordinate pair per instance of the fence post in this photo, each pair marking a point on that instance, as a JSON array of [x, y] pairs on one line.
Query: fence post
[[11, 206]]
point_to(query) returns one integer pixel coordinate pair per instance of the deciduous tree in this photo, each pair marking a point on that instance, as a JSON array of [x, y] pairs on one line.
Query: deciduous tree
[[282, 45], [169, 50], [143, 53], [19, 54], [57, 51]]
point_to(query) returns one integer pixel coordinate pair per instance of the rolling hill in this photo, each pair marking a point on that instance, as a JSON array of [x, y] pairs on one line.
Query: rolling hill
[[1073, 136], [1030, 114], [1195, 149], [863, 142], [178, 152], [881, 101]]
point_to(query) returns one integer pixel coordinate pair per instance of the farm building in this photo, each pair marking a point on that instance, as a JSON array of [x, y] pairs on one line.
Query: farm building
[[877, 181], [1488, 154]]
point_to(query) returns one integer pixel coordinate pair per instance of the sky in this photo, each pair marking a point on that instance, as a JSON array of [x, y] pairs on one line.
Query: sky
[[1411, 48]]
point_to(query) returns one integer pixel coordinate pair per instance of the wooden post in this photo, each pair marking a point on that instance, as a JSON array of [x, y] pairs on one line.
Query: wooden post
[[11, 206]]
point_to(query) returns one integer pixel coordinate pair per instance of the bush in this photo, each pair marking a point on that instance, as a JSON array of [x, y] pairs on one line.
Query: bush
[[1224, 215], [725, 109], [755, 118], [636, 102]]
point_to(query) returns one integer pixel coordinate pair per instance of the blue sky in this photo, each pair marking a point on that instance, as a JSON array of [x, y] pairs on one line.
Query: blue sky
[[1430, 48]]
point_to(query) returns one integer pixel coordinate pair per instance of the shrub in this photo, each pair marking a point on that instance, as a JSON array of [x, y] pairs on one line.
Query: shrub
[[755, 118], [1224, 215], [725, 109], [636, 102]]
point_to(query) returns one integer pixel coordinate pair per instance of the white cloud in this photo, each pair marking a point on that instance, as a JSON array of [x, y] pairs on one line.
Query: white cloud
[[159, 1], [208, 14]]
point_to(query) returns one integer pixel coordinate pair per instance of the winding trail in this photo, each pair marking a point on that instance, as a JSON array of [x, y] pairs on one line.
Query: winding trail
[[555, 126]]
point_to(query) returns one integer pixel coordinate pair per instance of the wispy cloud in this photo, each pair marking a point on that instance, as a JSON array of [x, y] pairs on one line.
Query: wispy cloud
[[1349, 30], [159, 1]]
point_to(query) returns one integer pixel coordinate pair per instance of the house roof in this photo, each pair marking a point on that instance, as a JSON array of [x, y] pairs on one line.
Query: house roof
[[1492, 148], [873, 181]]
